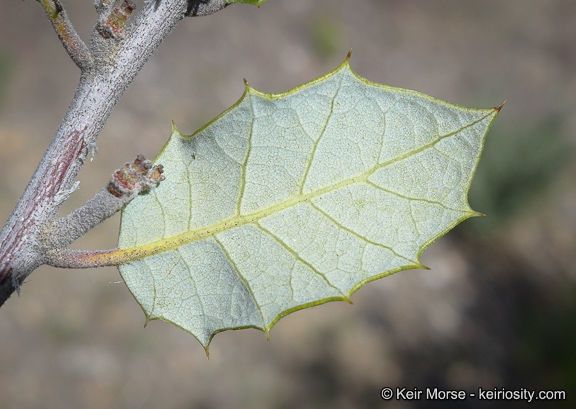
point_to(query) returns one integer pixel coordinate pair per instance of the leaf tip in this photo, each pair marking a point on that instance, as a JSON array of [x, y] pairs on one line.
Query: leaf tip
[[176, 132], [346, 63], [248, 89], [148, 319], [474, 213], [499, 107], [207, 350], [174, 128]]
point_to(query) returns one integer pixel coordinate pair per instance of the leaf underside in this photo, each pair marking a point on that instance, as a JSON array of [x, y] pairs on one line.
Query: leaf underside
[[287, 201]]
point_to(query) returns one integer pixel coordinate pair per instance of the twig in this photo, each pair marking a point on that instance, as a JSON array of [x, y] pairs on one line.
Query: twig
[[108, 68], [21, 250], [135, 178], [72, 42]]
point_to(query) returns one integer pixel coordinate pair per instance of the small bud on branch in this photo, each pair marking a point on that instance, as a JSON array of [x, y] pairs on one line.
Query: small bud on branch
[[136, 177], [113, 23]]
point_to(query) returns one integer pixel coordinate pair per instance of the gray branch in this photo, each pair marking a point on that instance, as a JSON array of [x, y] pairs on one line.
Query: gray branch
[[100, 87], [64, 231], [138, 177]]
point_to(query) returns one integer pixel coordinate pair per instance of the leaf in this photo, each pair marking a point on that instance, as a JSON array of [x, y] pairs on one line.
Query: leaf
[[286, 201]]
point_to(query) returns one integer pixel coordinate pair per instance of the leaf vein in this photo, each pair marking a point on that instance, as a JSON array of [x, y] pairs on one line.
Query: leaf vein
[[244, 166], [414, 199], [297, 257], [144, 250], [317, 143], [358, 235], [242, 279]]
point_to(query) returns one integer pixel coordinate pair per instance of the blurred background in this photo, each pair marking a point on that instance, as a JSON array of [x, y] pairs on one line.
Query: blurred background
[[498, 307]]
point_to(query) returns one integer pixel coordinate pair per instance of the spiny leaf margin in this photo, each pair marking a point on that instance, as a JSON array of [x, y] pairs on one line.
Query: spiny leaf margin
[[146, 250]]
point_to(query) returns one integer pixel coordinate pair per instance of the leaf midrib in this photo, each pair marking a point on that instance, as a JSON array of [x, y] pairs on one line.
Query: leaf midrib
[[134, 253]]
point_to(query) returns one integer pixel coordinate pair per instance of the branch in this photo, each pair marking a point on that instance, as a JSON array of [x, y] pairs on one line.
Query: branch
[[72, 42], [108, 68], [138, 177], [21, 250]]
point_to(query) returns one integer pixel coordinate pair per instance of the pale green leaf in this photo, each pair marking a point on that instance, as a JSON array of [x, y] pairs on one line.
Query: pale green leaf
[[293, 200]]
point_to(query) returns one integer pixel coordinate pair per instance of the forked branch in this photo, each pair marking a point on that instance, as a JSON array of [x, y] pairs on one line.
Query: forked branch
[[100, 87]]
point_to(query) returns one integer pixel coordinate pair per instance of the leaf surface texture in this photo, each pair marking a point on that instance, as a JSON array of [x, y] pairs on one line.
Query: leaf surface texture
[[291, 200]]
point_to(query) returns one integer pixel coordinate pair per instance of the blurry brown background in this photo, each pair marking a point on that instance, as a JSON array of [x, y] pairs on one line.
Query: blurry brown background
[[498, 307]]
